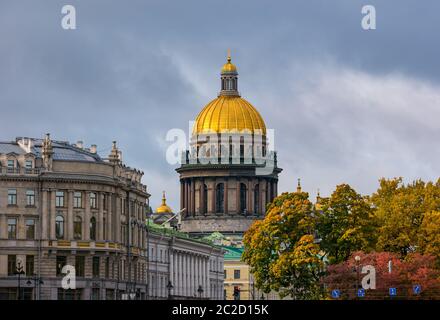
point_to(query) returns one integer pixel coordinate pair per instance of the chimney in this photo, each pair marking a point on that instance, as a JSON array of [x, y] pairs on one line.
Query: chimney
[[93, 148], [79, 144]]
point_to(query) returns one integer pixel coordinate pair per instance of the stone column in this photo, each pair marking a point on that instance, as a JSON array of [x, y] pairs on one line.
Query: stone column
[[171, 268], [182, 191], [70, 217], [202, 197], [110, 217], [52, 214], [238, 206], [117, 221], [87, 216], [193, 197], [185, 274], [208, 279], [226, 195], [100, 222], [45, 214], [185, 197], [249, 195]]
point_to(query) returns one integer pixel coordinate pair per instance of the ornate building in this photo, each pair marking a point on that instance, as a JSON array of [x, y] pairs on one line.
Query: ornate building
[[62, 204], [223, 186]]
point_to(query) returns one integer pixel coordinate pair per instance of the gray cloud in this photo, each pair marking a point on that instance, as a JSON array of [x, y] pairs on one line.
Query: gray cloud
[[347, 105]]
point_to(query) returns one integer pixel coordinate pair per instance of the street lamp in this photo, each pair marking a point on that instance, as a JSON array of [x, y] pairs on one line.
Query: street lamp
[[19, 271], [169, 287], [200, 291], [37, 280], [358, 260]]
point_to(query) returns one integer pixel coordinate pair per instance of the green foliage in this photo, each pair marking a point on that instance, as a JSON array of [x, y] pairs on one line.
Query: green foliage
[[281, 251], [346, 224]]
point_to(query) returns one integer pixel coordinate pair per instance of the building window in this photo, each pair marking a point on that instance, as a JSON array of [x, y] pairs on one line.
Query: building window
[[107, 267], [95, 293], [93, 202], [59, 199], [225, 274], [61, 262], [93, 228], [80, 266], [12, 264], [77, 228], [28, 164], [243, 197], [12, 197], [95, 267], [30, 198], [11, 164], [59, 227], [29, 266], [257, 198], [12, 228], [219, 198], [30, 229], [236, 274], [77, 199]]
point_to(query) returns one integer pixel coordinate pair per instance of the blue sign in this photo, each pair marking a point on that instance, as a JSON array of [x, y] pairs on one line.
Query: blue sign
[[336, 294], [417, 289], [361, 293], [393, 292]]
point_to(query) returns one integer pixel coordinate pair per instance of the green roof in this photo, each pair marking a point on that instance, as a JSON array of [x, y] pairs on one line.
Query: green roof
[[233, 253]]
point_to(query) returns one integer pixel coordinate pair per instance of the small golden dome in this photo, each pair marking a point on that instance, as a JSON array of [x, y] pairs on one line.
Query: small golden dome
[[164, 207], [228, 114], [228, 66]]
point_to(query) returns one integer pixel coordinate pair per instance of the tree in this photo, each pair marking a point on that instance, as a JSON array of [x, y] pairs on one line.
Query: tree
[[429, 234], [415, 269], [400, 210], [346, 224], [281, 250]]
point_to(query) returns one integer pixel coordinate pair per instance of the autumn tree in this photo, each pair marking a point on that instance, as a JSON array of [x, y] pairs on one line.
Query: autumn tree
[[400, 210], [345, 224], [281, 249], [404, 274]]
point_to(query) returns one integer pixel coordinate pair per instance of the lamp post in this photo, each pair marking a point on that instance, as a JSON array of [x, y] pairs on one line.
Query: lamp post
[[358, 260], [169, 287], [37, 280], [200, 291], [19, 271]]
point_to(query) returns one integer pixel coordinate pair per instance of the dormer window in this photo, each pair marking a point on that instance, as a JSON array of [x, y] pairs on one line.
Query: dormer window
[[29, 164], [11, 163]]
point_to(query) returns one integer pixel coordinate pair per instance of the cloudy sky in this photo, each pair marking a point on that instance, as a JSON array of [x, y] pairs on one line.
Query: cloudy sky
[[347, 105]]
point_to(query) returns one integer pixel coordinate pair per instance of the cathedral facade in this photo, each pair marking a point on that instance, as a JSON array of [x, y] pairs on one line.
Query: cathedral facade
[[229, 173]]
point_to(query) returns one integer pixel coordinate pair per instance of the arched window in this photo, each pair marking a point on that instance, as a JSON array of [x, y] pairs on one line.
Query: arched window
[[77, 228], [93, 228], [243, 197], [59, 227], [205, 199], [257, 198], [219, 198]]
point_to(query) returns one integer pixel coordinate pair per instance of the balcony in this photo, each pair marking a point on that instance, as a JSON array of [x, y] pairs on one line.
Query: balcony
[[19, 171]]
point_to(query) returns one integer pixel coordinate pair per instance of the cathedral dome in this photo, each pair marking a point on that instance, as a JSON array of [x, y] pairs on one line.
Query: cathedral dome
[[164, 208], [229, 112]]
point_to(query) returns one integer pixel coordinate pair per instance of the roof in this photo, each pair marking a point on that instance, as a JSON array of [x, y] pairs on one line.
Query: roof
[[233, 253], [62, 150]]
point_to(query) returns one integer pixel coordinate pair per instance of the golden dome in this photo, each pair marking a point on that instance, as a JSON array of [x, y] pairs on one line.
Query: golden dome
[[164, 208], [228, 113], [228, 66]]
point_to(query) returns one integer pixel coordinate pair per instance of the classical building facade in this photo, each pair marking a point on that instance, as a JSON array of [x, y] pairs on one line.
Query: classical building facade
[[183, 268], [223, 186], [62, 204]]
